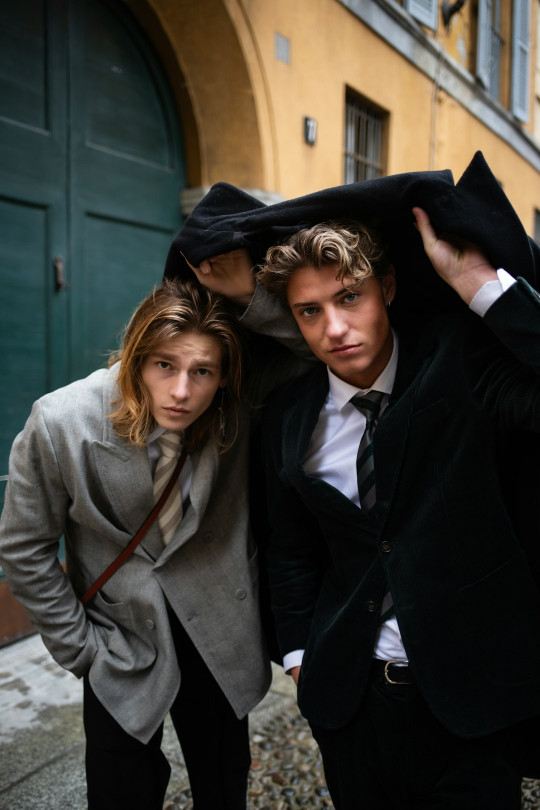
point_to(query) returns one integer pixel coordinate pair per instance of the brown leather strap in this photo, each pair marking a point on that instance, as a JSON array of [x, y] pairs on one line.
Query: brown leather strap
[[134, 542]]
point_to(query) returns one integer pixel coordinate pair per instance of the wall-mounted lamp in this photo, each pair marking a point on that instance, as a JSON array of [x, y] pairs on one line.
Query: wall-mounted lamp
[[310, 131], [449, 9]]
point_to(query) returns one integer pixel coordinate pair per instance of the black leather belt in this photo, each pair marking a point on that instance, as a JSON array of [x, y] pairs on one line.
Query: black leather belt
[[394, 672]]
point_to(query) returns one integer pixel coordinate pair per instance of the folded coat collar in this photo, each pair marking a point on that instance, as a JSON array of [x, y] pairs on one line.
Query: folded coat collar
[[475, 209]]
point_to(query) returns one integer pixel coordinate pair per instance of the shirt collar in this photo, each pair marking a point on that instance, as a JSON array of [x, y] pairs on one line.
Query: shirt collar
[[154, 435], [341, 391]]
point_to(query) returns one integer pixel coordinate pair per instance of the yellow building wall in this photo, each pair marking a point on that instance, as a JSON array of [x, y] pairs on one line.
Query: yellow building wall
[[246, 122]]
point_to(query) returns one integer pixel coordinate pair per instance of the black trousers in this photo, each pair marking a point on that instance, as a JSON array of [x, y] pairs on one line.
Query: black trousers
[[125, 774], [394, 755]]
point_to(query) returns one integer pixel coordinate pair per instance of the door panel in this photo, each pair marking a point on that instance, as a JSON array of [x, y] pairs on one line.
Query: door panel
[[33, 211], [125, 177], [124, 110], [110, 247], [23, 66], [23, 314]]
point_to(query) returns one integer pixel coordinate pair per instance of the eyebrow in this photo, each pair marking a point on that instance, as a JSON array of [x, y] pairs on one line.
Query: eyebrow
[[302, 304], [197, 361]]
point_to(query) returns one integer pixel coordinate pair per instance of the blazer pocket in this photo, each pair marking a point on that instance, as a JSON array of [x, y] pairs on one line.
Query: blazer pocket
[[131, 648], [119, 612]]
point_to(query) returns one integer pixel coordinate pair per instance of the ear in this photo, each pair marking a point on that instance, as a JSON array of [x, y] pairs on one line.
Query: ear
[[388, 285]]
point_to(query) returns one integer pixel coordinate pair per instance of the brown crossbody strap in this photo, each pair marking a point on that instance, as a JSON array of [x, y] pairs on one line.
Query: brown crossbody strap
[[134, 542]]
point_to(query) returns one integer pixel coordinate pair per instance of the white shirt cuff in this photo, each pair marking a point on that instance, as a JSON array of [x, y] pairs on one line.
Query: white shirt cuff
[[490, 292], [293, 659]]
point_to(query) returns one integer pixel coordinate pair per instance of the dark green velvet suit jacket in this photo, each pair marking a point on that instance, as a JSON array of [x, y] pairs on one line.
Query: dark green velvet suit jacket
[[444, 538], [457, 458]]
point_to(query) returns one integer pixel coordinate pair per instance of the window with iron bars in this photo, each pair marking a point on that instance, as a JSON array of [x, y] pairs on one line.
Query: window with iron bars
[[363, 140]]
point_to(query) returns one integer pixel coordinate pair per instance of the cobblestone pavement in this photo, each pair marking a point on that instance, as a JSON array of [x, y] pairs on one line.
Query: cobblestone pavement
[[42, 743], [530, 794], [287, 771]]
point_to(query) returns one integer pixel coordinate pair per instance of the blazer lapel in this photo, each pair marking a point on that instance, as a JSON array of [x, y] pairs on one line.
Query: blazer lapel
[[390, 438], [124, 470], [124, 473], [299, 422], [300, 419]]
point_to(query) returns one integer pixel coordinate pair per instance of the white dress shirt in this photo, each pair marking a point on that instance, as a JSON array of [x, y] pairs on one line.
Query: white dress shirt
[[331, 453]]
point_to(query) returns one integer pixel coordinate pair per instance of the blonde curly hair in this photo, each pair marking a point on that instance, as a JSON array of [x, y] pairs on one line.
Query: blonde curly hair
[[358, 252]]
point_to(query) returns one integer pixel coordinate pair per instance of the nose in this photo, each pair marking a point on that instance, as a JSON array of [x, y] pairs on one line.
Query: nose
[[180, 387], [335, 326]]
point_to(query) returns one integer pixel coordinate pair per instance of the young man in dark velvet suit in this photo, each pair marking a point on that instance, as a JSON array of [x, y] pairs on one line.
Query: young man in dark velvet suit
[[406, 595], [405, 607]]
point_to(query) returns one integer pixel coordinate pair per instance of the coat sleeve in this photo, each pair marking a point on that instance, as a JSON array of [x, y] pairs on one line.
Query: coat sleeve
[[508, 382], [277, 352], [32, 524], [267, 315]]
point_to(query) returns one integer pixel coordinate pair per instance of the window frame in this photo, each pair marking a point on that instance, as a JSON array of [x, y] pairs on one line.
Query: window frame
[[521, 35], [371, 158]]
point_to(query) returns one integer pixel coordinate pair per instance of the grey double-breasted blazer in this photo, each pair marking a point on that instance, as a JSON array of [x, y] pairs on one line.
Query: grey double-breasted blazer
[[71, 475]]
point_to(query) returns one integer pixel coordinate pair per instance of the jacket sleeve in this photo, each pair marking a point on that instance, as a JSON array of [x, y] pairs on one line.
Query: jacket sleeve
[[277, 350], [267, 315], [508, 382], [32, 523]]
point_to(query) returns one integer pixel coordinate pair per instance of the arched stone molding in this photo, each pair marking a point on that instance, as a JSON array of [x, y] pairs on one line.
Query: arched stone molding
[[211, 57]]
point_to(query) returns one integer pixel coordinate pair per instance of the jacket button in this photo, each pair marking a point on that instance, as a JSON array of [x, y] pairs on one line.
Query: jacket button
[[241, 593], [371, 606], [150, 624], [386, 546]]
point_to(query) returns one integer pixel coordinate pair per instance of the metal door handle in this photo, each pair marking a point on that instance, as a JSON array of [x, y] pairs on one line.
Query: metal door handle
[[59, 280]]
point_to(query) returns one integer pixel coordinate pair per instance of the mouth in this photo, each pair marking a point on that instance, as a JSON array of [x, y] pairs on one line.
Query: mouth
[[344, 349], [176, 411]]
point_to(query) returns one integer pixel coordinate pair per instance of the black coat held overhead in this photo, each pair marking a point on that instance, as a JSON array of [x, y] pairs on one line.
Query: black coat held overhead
[[474, 208], [456, 535]]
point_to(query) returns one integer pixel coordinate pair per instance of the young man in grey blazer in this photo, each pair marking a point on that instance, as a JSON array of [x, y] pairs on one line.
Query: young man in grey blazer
[[177, 627]]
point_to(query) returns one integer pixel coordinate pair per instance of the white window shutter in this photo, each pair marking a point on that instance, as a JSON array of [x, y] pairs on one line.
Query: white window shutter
[[425, 11], [483, 43], [520, 59]]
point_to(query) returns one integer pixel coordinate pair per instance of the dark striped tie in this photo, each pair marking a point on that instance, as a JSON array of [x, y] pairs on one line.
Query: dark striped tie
[[369, 405]]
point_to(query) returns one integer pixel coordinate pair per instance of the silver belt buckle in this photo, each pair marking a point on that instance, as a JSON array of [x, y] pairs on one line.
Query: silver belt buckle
[[387, 677]]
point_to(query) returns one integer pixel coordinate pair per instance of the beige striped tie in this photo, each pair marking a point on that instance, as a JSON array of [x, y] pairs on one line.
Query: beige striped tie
[[171, 512]]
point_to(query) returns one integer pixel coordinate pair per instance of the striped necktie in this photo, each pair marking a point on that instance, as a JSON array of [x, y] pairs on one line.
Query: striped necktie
[[171, 512], [369, 405]]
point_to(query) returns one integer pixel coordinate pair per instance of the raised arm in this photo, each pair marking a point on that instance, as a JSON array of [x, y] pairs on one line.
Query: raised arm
[[461, 264]]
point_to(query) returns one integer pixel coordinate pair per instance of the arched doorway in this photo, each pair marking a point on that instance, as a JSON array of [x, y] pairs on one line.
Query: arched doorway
[[91, 166]]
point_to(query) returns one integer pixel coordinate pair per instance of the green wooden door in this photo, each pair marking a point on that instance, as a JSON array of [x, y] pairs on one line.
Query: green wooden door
[[90, 174], [125, 177]]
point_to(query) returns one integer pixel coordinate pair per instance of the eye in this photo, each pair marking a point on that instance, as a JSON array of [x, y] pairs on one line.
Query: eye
[[350, 297], [203, 372], [308, 312], [163, 364]]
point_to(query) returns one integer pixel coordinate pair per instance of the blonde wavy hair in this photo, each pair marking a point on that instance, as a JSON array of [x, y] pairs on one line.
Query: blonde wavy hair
[[176, 307], [357, 250]]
